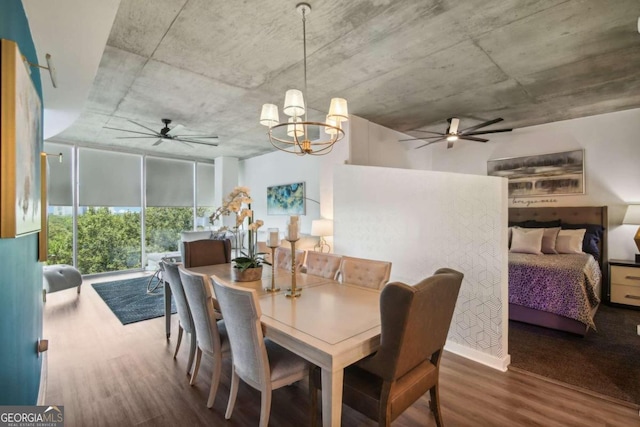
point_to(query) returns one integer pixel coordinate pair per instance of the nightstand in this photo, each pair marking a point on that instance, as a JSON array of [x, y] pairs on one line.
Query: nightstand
[[624, 282]]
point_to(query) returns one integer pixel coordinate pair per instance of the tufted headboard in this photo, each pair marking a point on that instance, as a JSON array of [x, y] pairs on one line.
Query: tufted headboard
[[568, 215]]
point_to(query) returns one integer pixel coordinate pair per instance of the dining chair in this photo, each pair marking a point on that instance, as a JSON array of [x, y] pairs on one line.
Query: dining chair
[[322, 264], [259, 362], [364, 272], [206, 252], [185, 320], [414, 326], [211, 334], [283, 258]]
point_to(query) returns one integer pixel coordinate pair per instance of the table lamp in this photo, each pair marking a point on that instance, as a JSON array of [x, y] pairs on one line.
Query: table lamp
[[632, 217], [322, 228]]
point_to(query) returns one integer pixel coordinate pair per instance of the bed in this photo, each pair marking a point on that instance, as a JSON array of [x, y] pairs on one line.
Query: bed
[[558, 291]]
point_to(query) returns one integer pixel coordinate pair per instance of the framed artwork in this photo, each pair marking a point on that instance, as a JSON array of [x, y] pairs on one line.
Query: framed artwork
[[288, 199], [542, 175], [20, 142]]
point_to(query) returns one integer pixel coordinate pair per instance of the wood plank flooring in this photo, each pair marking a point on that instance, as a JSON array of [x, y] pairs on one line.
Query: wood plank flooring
[[107, 374]]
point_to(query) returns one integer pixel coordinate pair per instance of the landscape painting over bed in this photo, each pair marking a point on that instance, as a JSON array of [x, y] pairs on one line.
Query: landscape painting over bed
[[542, 175], [286, 199]]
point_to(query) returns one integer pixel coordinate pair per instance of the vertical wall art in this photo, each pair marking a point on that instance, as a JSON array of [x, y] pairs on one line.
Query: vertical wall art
[[20, 142]]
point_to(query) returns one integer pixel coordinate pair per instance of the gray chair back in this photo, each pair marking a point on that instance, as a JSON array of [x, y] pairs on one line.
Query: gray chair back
[[364, 272], [197, 288], [172, 277], [242, 313], [283, 258], [323, 265]]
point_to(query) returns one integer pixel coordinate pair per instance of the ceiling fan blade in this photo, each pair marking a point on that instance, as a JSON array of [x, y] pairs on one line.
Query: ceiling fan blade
[[135, 137], [142, 126], [158, 142], [488, 131], [429, 143], [472, 138], [212, 144], [449, 144], [174, 130], [133, 131], [181, 141], [481, 125], [427, 131], [196, 136], [424, 138], [453, 127]]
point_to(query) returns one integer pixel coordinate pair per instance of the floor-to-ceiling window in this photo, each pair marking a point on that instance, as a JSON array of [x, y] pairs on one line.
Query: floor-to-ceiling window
[[97, 212]]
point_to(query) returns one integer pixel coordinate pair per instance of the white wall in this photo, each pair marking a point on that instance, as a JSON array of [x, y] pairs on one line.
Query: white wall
[[612, 152], [423, 220]]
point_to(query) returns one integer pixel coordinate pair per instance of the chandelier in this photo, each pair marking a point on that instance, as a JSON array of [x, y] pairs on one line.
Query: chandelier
[[297, 139]]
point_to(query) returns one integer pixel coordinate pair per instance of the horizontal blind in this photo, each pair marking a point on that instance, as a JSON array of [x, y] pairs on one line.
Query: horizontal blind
[[169, 182], [108, 178], [205, 176], [59, 182]]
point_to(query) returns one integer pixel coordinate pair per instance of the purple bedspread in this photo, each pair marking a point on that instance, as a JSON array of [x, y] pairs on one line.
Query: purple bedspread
[[561, 284]]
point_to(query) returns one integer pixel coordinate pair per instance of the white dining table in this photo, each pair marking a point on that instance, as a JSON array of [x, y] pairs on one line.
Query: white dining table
[[331, 324]]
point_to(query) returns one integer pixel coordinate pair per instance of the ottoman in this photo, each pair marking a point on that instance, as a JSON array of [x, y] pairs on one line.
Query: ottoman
[[59, 277]]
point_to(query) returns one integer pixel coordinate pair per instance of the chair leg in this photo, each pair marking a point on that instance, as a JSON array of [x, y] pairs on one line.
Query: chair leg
[[192, 351], [180, 331], [313, 397], [233, 393], [265, 407], [196, 367], [215, 379], [44, 296], [434, 404]]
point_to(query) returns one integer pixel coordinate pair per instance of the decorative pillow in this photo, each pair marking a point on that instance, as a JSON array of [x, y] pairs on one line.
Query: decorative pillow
[[527, 240], [570, 241], [592, 237], [549, 240]]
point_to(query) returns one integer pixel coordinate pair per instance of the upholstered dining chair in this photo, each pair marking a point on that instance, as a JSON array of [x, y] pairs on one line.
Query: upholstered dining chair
[[283, 258], [414, 325], [211, 334], [185, 321], [259, 362], [322, 264], [364, 272], [206, 252]]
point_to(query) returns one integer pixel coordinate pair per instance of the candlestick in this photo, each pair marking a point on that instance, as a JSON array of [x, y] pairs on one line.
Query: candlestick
[[273, 270], [293, 292]]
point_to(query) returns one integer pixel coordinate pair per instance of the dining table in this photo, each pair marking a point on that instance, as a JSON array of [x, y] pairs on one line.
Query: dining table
[[331, 324]]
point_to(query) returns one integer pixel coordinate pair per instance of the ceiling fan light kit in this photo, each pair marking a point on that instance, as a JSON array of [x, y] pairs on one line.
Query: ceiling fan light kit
[[297, 140], [452, 134]]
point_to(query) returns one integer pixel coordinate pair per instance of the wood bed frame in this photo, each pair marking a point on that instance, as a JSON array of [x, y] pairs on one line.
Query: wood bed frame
[[568, 215]]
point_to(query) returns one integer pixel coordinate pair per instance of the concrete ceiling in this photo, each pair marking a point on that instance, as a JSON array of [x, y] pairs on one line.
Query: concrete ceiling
[[210, 65]]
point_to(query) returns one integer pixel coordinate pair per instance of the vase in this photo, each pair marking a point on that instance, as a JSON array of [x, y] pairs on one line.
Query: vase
[[248, 275]]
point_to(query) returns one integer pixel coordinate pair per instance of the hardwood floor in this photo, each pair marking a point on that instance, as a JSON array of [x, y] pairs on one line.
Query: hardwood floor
[[107, 374]]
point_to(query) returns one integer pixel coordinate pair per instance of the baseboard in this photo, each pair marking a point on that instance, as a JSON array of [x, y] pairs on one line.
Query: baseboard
[[44, 376], [478, 356]]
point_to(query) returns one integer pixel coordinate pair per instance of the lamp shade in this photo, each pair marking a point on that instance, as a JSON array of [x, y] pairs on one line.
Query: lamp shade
[[338, 109], [331, 121], [294, 129], [293, 103], [632, 216], [322, 227], [269, 115]]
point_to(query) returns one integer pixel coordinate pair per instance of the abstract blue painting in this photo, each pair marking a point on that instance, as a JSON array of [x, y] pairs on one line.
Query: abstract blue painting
[[286, 199]]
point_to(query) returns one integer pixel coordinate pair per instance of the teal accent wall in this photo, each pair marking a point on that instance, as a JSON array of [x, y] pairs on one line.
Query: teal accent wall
[[20, 272]]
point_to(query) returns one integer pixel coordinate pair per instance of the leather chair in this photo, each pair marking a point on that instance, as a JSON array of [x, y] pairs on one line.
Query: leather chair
[[185, 321], [283, 258], [211, 334], [206, 252], [364, 272], [323, 265], [259, 362], [414, 326]]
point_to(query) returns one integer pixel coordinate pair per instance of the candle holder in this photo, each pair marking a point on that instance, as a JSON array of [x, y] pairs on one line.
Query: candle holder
[[293, 292], [273, 271]]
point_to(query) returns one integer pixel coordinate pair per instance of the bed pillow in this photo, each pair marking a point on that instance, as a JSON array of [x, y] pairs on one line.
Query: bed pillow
[[527, 240], [592, 237], [549, 240], [570, 241]]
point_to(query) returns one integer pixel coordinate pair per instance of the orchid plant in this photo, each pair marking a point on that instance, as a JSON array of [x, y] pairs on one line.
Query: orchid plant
[[233, 203]]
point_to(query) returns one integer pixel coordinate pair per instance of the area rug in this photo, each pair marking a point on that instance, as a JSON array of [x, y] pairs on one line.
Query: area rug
[[605, 361], [129, 301]]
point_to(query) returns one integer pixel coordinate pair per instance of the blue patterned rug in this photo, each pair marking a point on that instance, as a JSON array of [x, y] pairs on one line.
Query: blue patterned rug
[[129, 300]]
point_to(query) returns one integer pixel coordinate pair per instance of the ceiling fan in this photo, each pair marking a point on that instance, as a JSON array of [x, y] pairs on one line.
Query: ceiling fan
[[166, 133], [452, 134]]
